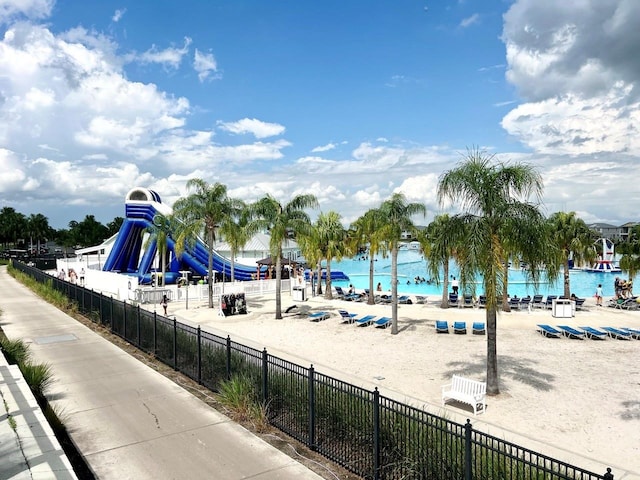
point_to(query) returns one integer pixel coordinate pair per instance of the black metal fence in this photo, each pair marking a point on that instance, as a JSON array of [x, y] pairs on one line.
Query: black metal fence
[[370, 435]]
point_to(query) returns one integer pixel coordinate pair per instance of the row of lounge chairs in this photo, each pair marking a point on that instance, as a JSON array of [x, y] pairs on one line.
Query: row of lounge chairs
[[477, 328], [347, 317], [381, 298], [589, 332], [516, 303]]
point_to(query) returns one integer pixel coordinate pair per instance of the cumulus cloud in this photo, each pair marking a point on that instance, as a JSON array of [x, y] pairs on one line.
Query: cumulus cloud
[[31, 9], [253, 126], [578, 71], [171, 57], [205, 64]]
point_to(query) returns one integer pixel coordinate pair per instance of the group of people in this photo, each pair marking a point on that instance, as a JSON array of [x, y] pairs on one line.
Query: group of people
[[74, 277], [623, 288]]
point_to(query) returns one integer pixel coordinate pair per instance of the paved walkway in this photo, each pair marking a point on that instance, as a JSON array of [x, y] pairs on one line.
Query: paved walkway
[[129, 421]]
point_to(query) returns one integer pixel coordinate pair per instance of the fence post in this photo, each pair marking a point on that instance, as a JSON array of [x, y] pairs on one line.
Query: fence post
[[199, 356], [228, 357], [265, 374], [155, 333], [175, 344], [467, 450], [138, 327], [312, 409], [124, 310], [376, 434], [111, 310]]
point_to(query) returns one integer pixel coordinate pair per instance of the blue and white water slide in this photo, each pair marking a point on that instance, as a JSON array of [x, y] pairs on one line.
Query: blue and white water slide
[[128, 255]]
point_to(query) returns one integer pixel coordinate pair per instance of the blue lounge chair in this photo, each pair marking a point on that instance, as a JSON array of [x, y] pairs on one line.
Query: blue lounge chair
[[579, 303], [442, 326], [548, 304], [383, 322], [482, 301], [405, 299], [467, 301], [514, 303], [346, 316], [421, 299], [525, 303], [635, 332], [478, 328], [594, 333], [549, 331], [537, 302], [364, 321], [617, 333], [571, 332], [453, 300], [317, 316], [460, 327]]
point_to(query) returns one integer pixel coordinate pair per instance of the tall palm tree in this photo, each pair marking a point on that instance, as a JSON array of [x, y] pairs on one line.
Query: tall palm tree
[[332, 237], [280, 220], [237, 229], [494, 200], [443, 241], [39, 229], [630, 250], [368, 230], [310, 246], [397, 213], [573, 239], [159, 232], [202, 211]]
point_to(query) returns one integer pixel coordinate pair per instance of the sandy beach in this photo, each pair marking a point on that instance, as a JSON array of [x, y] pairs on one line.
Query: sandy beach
[[576, 400]]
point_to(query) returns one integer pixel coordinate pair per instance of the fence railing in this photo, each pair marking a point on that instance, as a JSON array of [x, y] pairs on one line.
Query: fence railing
[[372, 436]]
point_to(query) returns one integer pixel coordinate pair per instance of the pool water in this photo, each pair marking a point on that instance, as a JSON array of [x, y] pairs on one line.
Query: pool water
[[411, 264]]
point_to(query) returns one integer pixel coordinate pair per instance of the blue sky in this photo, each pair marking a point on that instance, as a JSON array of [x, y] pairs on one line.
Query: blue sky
[[351, 101]]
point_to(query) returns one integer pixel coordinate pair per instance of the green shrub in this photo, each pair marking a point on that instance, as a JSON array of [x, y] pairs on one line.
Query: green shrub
[[15, 351], [38, 376]]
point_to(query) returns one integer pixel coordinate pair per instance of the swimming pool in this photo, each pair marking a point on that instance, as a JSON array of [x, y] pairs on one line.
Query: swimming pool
[[411, 265]]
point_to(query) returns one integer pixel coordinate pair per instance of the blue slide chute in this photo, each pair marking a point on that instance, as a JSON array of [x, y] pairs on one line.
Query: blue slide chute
[[141, 207]]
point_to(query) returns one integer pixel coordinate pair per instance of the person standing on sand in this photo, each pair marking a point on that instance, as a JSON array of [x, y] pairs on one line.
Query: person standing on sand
[[599, 295]]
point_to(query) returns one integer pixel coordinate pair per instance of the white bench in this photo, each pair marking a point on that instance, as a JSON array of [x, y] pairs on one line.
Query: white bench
[[465, 390]]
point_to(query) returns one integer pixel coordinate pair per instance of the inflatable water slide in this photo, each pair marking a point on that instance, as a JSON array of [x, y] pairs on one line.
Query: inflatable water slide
[[131, 256]]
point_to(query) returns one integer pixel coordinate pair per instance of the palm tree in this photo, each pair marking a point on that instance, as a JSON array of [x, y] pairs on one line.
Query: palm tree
[[159, 232], [630, 260], [397, 213], [237, 229], [309, 243], [442, 241], [573, 239], [202, 212], [366, 230], [280, 220], [39, 229], [332, 236], [494, 201]]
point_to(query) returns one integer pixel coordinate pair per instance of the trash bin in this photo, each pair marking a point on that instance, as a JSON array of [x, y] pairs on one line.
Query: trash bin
[[298, 294], [562, 308]]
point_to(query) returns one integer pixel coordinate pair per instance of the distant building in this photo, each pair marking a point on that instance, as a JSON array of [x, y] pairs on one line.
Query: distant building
[[606, 230], [258, 248], [625, 230]]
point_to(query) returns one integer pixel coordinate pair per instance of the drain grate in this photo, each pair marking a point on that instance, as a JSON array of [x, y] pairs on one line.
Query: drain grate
[[55, 339]]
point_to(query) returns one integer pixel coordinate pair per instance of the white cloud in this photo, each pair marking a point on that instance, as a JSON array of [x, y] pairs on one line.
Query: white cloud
[[32, 9], [255, 127], [119, 13], [171, 56], [467, 22], [205, 64], [578, 71], [324, 148]]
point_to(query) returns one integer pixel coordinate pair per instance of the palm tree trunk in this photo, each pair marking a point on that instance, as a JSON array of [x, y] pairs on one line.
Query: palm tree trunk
[[567, 281], [492, 353], [328, 294], [319, 280], [233, 265], [445, 285], [394, 289], [210, 269], [372, 296], [278, 287], [505, 292]]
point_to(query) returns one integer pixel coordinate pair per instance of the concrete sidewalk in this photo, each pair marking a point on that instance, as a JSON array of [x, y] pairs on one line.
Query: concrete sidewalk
[[129, 421]]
